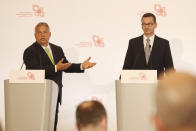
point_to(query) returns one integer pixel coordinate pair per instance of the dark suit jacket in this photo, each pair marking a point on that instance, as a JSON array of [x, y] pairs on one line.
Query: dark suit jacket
[[160, 58], [36, 58]]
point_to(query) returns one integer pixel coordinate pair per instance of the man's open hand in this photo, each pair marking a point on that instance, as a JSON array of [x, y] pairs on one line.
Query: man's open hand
[[86, 64], [62, 66]]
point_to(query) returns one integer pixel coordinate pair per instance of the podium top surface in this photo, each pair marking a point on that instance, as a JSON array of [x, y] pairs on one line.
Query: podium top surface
[[46, 81], [118, 82]]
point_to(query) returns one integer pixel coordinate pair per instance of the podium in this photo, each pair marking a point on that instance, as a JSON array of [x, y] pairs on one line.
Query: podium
[[135, 106], [30, 106]]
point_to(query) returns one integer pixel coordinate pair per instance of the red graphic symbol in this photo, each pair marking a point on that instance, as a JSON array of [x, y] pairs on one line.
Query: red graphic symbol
[[98, 41], [84, 44], [35, 11], [38, 11], [24, 14], [31, 76], [160, 10], [142, 76]]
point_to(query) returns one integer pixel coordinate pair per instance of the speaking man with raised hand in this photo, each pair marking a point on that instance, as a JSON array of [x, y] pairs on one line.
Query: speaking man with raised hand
[[47, 56]]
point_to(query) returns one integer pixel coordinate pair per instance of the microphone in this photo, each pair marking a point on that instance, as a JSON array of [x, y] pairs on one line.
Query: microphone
[[40, 61], [25, 57], [22, 65]]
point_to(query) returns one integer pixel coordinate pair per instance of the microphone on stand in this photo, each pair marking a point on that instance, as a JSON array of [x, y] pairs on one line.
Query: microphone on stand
[[24, 58]]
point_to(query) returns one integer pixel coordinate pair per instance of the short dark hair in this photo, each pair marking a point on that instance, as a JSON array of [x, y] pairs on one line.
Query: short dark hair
[[149, 15], [90, 113], [42, 24]]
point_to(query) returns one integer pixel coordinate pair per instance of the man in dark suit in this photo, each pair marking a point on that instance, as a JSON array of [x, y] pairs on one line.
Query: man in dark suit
[[149, 52], [49, 57]]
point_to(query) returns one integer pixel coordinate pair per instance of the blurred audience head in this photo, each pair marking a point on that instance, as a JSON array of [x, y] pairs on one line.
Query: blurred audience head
[[91, 116], [176, 103]]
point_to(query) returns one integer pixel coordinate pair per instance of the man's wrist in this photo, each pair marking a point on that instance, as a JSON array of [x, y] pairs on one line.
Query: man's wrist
[[55, 68], [81, 68]]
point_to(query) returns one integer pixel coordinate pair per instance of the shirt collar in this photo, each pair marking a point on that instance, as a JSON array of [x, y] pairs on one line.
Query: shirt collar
[[48, 46], [151, 38]]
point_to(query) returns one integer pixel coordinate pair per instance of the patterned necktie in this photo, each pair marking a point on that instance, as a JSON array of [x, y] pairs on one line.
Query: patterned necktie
[[147, 50], [49, 55]]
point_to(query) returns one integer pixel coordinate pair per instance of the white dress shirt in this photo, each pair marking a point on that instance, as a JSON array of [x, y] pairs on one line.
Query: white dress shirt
[[151, 41]]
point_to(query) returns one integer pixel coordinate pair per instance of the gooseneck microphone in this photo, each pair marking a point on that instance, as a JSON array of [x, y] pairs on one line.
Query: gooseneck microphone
[[25, 58], [22, 65]]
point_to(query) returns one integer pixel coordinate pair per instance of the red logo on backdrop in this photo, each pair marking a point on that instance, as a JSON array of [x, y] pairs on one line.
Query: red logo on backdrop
[[84, 44], [158, 10], [36, 11], [97, 41]]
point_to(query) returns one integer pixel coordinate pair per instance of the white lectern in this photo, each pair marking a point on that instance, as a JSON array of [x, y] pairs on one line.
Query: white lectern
[[30, 106], [135, 106]]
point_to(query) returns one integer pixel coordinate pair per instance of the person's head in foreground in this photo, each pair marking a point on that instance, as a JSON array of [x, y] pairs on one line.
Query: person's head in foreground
[[176, 103], [91, 116]]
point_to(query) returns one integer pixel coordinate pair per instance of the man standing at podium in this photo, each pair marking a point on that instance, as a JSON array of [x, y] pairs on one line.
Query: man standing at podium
[[148, 51], [49, 57]]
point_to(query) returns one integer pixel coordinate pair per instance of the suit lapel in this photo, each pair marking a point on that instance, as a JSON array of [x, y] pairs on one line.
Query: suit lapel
[[141, 44], [155, 48], [155, 45], [40, 49], [54, 53], [43, 56]]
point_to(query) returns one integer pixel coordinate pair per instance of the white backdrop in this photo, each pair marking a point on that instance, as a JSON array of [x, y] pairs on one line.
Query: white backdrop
[[97, 28]]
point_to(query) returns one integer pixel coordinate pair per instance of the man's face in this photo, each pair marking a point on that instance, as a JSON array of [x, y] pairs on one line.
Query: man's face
[[42, 35], [148, 26]]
